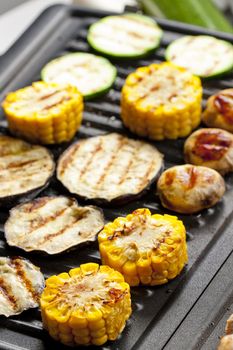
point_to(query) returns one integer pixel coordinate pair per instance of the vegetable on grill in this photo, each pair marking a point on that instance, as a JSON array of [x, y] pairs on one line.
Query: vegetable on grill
[[219, 110], [146, 249], [127, 36], [198, 12], [44, 112], [212, 148], [87, 306], [25, 170], [202, 55], [226, 342], [92, 75], [229, 325], [161, 101], [188, 188], [52, 224], [109, 168], [21, 284]]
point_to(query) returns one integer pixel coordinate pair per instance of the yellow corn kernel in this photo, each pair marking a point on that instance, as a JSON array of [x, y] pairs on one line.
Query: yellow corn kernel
[[90, 305], [145, 109], [53, 115], [155, 254]]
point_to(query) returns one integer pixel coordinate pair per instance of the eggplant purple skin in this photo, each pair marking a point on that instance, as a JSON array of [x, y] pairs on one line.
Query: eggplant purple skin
[[118, 201], [11, 201], [43, 252]]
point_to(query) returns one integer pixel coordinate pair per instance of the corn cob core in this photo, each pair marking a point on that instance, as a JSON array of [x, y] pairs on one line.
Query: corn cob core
[[161, 101], [44, 112], [147, 249], [88, 305]]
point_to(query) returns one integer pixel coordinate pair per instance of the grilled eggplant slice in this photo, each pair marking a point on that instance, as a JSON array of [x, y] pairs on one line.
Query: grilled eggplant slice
[[202, 55], [21, 284], [219, 110], [126, 36], [109, 168], [212, 148], [52, 224], [25, 170], [188, 188]]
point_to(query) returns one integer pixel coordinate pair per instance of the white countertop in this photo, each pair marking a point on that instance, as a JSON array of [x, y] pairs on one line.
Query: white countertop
[[15, 21]]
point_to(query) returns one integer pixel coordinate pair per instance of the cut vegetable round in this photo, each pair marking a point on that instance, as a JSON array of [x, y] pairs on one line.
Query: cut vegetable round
[[21, 284], [202, 55], [188, 188], [161, 101], [92, 75], [25, 170], [44, 112], [127, 35], [147, 249], [52, 224], [87, 306], [109, 168]]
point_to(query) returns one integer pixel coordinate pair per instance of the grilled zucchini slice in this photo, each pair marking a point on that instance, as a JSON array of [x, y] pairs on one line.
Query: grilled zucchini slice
[[126, 36], [44, 112], [161, 101], [212, 148], [25, 170], [92, 75], [21, 284], [109, 168], [87, 306], [189, 189], [147, 249], [52, 224], [202, 55]]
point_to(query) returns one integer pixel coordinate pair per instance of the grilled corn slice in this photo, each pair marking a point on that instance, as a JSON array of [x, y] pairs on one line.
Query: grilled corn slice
[[88, 305], [161, 101], [146, 249], [44, 112]]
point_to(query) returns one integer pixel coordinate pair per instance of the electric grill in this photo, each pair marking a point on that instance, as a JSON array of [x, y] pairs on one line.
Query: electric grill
[[188, 312]]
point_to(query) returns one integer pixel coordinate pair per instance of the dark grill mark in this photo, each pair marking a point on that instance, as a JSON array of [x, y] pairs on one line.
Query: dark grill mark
[[68, 226], [92, 155], [7, 292], [45, 97], [63, 99], [36, 224], [69, 158], [211, 145], [20, 164], [224, 104], [19, 270], [106, 170]]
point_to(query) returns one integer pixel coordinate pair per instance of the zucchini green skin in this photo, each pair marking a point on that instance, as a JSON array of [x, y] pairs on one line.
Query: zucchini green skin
[[88, 96], [227, 69], [197, 12], [110, 54]]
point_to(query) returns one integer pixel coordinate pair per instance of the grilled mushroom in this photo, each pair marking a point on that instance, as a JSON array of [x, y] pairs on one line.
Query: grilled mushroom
[[226, 343], [52, 224], [109, 168], [229, 325], [25, 170], [21, 284], [212, 148], [219, 110], [188, 188]]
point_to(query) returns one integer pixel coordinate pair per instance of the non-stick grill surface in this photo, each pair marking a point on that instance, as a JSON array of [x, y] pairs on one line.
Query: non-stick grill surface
[[62, 30]]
